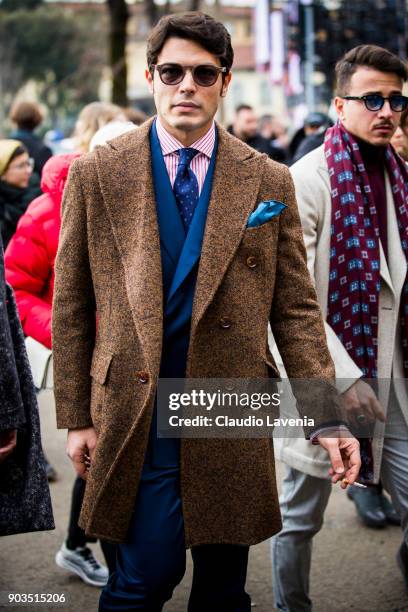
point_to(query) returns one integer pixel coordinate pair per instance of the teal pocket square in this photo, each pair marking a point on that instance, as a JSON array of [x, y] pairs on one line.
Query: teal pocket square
[[264, 212]]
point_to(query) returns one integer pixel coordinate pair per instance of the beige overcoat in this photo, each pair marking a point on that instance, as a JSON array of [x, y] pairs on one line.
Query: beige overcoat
[[109, 262], [312, 184]]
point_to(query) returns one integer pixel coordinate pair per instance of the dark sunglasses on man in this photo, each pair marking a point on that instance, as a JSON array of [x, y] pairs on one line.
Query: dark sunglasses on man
[[204, 75], [375, 102]]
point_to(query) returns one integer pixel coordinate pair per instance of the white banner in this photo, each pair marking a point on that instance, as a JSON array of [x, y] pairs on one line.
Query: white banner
[[277, 47], [262, 43]]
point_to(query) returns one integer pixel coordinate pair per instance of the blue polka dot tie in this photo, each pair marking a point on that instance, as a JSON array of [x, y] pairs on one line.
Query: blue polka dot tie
[[186, 187]]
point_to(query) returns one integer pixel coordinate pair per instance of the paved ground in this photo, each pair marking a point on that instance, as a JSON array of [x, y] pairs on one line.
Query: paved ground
[[353, 568]]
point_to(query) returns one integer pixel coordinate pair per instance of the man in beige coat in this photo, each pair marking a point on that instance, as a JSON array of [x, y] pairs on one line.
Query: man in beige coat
[[127, 206], [369, 105]]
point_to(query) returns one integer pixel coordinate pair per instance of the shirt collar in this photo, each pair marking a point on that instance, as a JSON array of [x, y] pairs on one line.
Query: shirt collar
[[169, 144]]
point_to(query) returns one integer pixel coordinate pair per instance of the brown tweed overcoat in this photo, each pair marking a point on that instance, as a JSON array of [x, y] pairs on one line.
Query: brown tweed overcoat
[[109, 262]]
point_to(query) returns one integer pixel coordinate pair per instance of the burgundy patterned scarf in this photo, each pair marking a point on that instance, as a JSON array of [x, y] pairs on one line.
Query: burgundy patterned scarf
[[354, 282]]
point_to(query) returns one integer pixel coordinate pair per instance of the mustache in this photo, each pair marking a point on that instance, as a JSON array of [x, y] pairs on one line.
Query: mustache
[[384, 124]]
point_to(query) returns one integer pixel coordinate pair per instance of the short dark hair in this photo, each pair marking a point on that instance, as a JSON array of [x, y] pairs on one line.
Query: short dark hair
[[26, 115], [242, 107], [369, 56], [198, 27]]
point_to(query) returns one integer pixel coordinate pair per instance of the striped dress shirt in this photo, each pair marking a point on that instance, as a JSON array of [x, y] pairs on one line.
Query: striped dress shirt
[[200, 162]]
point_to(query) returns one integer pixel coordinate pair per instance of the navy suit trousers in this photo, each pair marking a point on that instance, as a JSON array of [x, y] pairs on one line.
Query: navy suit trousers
[[152, 561]]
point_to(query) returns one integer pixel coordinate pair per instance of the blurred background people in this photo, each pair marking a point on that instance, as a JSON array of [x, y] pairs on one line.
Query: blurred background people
[[27, 116], [25, 503], [29, 261], [30, 269], [109, 131], [135, 115], [276, 134], [92, 117], [311, 135], [18, 185], [400, 139], [245, 127]]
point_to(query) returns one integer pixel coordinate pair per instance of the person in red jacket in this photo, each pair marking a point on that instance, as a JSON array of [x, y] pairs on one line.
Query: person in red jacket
[[29, 261], [31, 253]]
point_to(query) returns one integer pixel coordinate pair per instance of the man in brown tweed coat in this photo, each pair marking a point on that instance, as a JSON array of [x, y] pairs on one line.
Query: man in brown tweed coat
[[155, 239]]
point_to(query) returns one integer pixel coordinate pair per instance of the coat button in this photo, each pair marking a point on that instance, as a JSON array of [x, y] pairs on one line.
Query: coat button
[[225, 323], [143, 377], [251, 261]]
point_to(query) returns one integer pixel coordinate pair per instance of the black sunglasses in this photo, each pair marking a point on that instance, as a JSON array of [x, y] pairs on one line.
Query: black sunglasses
[[375, 102], [204, 75]]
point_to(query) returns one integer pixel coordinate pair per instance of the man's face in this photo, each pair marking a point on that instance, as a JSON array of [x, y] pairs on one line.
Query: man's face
[[245, 124], [186, 109], [374, 127]]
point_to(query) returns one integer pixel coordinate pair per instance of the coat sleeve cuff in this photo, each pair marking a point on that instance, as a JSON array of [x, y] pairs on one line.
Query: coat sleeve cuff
[[330, 429]]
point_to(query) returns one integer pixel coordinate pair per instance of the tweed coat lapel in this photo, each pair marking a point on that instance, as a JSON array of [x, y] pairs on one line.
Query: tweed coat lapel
[[125, 175], [236, 182]]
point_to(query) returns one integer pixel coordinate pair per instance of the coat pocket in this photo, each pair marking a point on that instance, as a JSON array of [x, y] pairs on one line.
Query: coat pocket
[[100, 365], [259, 230]]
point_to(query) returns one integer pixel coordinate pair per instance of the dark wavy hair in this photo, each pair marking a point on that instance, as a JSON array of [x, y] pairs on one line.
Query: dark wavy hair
[[369, 56], [198, 27]]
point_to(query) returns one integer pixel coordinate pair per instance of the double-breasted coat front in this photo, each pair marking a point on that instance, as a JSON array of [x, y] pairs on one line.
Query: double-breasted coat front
[[106, 374]]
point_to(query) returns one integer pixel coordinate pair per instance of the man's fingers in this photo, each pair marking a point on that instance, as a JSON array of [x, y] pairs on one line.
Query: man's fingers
[[91, 451], [81, 448], [368, 410], [354, 464], [79, 465], [335, 458], [378, 410]]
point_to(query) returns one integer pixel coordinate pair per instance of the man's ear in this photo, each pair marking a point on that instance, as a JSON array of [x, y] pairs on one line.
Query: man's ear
[[225, 85], [339, 106], [149, 79]]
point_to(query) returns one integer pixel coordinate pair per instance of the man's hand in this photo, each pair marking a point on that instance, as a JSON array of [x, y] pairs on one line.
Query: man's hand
[[361, 404], [81, 445], [344, 454], [8, 441]]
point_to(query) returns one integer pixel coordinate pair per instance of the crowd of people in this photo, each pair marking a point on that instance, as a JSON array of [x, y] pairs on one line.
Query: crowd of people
[[95, 274]]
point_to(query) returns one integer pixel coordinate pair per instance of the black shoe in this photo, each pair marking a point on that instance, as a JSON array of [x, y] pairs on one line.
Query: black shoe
[[390, 512], [402, 560], [52, 475], [368, 505]]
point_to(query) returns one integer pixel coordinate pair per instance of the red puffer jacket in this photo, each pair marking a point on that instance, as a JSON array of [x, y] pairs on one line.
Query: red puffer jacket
[[30, 254]]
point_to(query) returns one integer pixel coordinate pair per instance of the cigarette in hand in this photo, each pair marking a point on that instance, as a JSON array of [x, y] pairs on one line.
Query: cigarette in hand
[[354, 484]]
